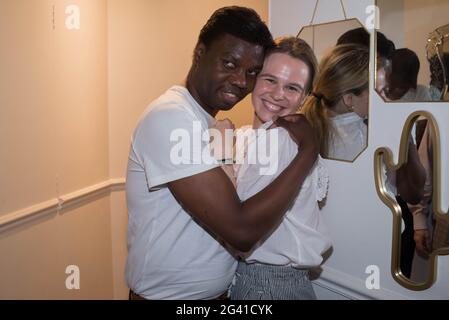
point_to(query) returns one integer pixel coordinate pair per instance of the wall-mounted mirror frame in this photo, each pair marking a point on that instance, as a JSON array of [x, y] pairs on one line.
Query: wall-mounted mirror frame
[[353, 23], [438, 49], [383, 157]]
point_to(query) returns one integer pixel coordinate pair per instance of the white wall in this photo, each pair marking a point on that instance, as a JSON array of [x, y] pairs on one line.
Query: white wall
[[287, 17], [54, 141], [361, 225]]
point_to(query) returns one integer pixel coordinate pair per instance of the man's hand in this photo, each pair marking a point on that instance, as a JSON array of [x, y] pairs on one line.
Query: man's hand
[[423, 243], [300, 131]]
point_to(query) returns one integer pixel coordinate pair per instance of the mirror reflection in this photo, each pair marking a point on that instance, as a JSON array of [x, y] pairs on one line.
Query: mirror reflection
[[431, 230], [339, 102], [423, 231], [322, 37], [412, 51]]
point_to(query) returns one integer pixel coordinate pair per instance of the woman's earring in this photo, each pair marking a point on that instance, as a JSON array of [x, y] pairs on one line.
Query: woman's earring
[[349, 107]]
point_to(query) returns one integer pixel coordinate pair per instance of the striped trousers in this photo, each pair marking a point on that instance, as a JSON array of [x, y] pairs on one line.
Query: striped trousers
[[268, 282]]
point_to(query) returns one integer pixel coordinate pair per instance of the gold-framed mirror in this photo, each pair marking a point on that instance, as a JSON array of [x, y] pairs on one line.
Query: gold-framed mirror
[[416, 68], [348, 122], [437, 50], [420, 227]]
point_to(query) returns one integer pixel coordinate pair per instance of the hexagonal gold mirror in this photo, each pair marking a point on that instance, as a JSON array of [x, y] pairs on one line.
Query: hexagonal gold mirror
[[342, 49]]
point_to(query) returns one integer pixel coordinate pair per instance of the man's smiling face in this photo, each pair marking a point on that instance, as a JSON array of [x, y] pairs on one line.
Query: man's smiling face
[[226, 72]]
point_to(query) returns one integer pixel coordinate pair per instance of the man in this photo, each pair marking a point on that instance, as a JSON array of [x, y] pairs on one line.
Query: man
[[403, 79], [181, 210], [424, 215], [422, 210]]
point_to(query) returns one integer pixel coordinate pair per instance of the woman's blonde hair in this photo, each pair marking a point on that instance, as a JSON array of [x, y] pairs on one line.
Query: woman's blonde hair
[[343, 70]]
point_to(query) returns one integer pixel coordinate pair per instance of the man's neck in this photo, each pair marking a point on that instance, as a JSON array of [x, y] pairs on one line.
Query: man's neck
[[194, 93]]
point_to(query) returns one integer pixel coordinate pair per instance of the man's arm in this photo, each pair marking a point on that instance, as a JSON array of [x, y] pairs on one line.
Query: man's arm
[[423, 243], [411, 177], [212, 200], [420, 211], [222, 146]]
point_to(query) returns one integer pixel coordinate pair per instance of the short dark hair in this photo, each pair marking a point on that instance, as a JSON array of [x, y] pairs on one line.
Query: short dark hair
[[355, 36], [404, 68], [404, 72], [385, 47], [299, 49], [243, 23]]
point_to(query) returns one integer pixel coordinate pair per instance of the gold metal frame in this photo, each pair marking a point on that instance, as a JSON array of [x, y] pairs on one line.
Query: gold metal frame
[[369, 80], [439, 37], [330, 22], [385, 154]]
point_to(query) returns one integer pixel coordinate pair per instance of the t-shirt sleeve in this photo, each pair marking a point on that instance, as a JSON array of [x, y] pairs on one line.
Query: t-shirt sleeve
[[171, 144]]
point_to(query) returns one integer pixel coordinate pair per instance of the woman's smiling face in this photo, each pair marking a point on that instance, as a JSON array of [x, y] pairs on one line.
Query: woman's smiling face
[[280, 88]]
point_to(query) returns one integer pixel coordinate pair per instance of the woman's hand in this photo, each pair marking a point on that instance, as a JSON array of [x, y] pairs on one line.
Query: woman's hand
[[222, 139], [222, 146]]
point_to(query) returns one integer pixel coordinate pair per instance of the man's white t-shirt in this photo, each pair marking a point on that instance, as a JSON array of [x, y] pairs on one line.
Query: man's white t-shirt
[[169, 255], [421, 93]]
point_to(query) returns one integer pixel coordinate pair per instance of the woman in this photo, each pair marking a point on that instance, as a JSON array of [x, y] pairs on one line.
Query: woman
[[338, 105], [278, 268]]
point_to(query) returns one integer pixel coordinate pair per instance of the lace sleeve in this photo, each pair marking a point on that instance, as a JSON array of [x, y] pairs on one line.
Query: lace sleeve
[[321, 180]]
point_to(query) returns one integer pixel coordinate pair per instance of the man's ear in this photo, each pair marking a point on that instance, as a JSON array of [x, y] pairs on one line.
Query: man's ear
[[198, 53]]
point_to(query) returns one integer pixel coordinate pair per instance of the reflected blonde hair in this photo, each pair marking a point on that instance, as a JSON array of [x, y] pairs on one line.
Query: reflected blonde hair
[[343, 70]]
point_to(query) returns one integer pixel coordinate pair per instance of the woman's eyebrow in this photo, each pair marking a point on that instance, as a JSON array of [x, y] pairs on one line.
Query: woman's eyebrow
[[267, 74], [294, 84]]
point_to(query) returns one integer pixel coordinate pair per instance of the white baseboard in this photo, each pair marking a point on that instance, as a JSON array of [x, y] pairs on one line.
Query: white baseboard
[[336, 285]]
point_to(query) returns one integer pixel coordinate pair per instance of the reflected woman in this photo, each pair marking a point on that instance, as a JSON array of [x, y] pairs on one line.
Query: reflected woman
[[338, 106]]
